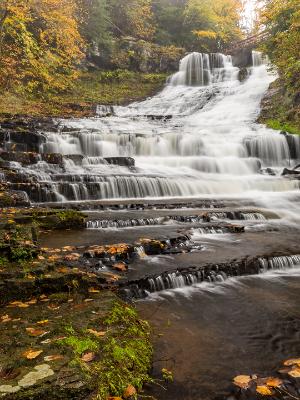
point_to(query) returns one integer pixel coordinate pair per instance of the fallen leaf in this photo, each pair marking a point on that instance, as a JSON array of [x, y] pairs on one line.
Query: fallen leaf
[[19, 304], [53, 307], [45, 322], [36, 332], [92, 290], [72, 257], [122, 267], [292, 361], [88, 357], [130, 391], [274, 382], [96, 333], [62, 270], [5, 318], [264, 390], [32, 354], [33, 301], [53, 358], [295, 373], [242, 381]]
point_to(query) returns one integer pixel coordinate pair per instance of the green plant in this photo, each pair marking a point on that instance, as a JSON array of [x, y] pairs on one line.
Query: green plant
[[124, 353], [78, 344], [280, 126]]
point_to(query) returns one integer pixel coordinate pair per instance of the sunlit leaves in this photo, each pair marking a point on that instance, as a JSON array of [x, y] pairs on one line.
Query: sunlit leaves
[[40, 43]]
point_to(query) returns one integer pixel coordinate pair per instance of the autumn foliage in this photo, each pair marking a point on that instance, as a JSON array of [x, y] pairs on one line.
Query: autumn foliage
[[40, 44]]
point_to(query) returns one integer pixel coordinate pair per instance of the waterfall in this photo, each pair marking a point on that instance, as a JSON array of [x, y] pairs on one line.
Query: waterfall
[[196, 138], [200, 69], [210, 273]]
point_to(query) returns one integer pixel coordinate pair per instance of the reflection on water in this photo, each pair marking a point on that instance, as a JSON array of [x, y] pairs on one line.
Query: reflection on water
[[213, 332]]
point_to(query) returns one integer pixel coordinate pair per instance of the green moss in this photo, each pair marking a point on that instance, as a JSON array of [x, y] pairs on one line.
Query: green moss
[[124, 353], [280, 126], [97, 87]]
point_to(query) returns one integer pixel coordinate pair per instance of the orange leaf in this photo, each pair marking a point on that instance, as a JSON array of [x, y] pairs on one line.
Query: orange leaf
[[242, 381], [292, 361], [32, 354], [264, 390], [274, 382], [130, 391]]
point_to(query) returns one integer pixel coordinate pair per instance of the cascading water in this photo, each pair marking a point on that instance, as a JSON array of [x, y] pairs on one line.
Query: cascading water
[[196, 138]]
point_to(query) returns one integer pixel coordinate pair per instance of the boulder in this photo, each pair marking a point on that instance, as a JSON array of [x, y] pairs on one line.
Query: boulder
[[121, 161]]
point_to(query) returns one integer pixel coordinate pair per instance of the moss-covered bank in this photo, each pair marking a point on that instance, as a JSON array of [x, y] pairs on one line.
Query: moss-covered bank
[[280, 108], [93, 88]]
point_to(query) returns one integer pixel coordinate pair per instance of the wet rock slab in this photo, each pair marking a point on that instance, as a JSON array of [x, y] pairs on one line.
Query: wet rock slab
[[33, 363]]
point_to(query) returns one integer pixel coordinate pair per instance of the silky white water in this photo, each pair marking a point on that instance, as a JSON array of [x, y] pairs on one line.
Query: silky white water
[[196, 138]]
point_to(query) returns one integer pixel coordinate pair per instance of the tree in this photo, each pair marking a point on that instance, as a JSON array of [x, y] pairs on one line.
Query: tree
[[215, 23], [281, 19], [133, 18], [95, 25], [40, 44]]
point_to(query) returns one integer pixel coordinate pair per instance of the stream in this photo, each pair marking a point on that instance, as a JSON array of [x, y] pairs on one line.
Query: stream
[[191, 161]]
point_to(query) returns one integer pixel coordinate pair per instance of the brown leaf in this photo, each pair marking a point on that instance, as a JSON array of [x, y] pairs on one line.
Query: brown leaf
[[242, 381], [88, 357], [264, 390], [72, 257], [130, 391], [32, 354], [122, 267], [35, 332], [96, 333]]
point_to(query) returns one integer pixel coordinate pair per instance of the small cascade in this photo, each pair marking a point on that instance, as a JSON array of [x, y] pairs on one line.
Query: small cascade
[[282, 262], [210, 230], [200, 69], [210, 273], [253, 217], [273, 149], [258, 58], [127, 223]]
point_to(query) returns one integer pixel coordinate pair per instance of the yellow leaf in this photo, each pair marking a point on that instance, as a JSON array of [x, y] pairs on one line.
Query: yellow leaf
[[264, 390], [45, 322], [295, 373], [32, 354], [92, 290]]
